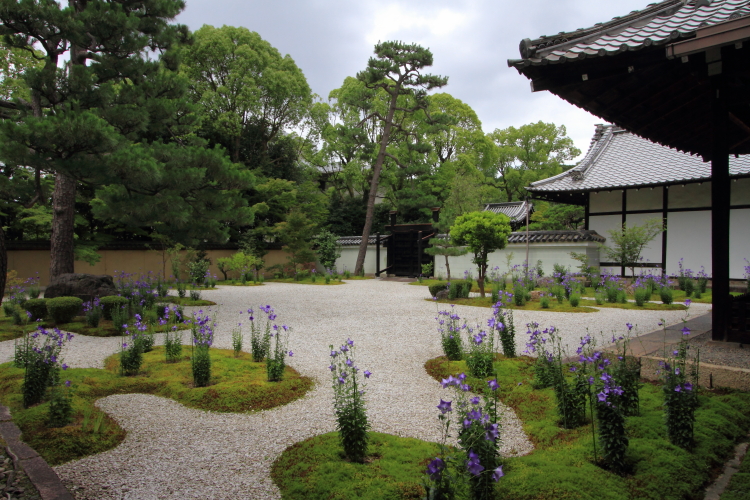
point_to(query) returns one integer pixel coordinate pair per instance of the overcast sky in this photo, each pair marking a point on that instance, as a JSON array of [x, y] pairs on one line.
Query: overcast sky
[[471, 41]]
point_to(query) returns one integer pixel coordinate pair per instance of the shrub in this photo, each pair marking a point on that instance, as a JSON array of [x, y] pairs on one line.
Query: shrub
[[666, 295], [641, 295], [93, 312], [437, 287], [544, 301], [37, 308], [575, 299], [63, 309], [689, 287], [195, 295], [111, 302]]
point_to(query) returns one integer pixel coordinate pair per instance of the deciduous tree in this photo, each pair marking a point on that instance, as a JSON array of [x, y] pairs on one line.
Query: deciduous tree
[[482, 233]]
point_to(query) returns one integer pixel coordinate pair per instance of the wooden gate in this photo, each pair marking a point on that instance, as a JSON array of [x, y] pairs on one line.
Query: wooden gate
[[406, 249]]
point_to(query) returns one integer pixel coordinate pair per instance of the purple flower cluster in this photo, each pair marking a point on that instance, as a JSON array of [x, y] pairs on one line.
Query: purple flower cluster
[[203, 329]]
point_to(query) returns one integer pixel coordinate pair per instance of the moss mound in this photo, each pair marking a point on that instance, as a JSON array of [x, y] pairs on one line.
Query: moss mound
[[237, 385]]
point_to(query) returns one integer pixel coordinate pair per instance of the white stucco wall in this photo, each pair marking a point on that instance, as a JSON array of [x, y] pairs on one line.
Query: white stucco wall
[[645, 199], [548, 253], [602, 224], [689, 237], [740, 192], [348, 259], [739, 242], [690, 196], [605, 201], [652, 253]]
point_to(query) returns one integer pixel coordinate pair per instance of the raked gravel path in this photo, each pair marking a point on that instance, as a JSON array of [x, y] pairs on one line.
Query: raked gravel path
[[179, 453]]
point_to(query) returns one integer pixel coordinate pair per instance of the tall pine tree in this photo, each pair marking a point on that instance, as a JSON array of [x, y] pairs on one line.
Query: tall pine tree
[[107, 108]]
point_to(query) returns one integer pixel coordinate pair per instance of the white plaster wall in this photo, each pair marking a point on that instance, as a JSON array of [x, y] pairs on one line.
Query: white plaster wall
[[652, 253], [739, 242], [602, 224], [348, 259], [645, 199], [605, 201], [548, 253], [696, 195], [740, 192], [689, 237]]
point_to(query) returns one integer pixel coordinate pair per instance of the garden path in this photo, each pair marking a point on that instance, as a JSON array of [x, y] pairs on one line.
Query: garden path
[[175, 452]]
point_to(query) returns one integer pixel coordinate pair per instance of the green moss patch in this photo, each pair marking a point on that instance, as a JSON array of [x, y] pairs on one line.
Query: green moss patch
[[9, 331], [186, 301], [238, 283], [554, 306], [306, 281], [237, 385], [739, 486], [562, 465], [316, 469], [648, 306]]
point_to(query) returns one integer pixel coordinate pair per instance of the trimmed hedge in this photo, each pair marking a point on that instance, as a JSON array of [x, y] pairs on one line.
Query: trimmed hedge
[[37, 308], [110, 302], [63, 309], [460, 289], [438, 287]]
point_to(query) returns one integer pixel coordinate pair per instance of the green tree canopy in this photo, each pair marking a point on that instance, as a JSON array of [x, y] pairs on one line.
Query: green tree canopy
[[482, 233], [529, 153], [244, 86]]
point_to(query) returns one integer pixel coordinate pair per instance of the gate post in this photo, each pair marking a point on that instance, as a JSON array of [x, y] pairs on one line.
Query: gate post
[[377, 254], [419, 253]]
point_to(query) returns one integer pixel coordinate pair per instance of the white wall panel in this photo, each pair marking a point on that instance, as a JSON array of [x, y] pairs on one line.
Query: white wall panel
[[652, 253], [645, 199], [604, 201], [688, 237], [691, 196], [740, 192], [739, 242], [348, 259], [604, 223]]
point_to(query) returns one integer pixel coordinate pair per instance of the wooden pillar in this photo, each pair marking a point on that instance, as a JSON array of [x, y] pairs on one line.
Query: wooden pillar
[[419, 253], [377, 254], [720, 190]]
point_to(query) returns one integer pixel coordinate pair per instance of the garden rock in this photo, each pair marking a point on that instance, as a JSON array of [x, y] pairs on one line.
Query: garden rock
[[442, 295], [83, 286], [535, 294]]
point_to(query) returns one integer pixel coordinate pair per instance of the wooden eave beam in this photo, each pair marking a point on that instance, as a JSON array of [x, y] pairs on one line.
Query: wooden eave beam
[[710, 37]]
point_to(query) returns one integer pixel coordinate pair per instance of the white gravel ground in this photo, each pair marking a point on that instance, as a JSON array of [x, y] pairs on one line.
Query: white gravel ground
[[180, 453]]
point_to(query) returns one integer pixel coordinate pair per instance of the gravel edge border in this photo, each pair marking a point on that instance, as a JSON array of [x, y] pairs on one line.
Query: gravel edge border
[[41, 475]]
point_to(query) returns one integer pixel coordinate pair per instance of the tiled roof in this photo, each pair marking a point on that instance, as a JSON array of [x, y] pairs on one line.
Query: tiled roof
[[515, 210], [618, 159], [556, 236], [657, 24], [349, 241], [551, 236]]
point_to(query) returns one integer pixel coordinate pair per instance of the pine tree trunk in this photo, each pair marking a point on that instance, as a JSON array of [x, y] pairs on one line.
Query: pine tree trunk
[[448, 267], [374, 184], [3, 263], [62, 258]]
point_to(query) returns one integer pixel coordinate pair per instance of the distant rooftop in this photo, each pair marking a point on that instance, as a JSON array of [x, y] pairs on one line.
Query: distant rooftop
[[515, 210], [619, 159]]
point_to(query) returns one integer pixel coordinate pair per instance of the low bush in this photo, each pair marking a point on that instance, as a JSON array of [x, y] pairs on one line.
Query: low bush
[[37, 308], [437, 288], [63, 309], [111, 302]]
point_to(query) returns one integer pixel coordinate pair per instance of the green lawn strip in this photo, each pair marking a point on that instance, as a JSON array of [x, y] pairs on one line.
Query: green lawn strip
[[237, 385], [562, 464], [186, 301], [554, 306], [238, 283], [739, 486], [647, 306], [9, 331], [316, 469]]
